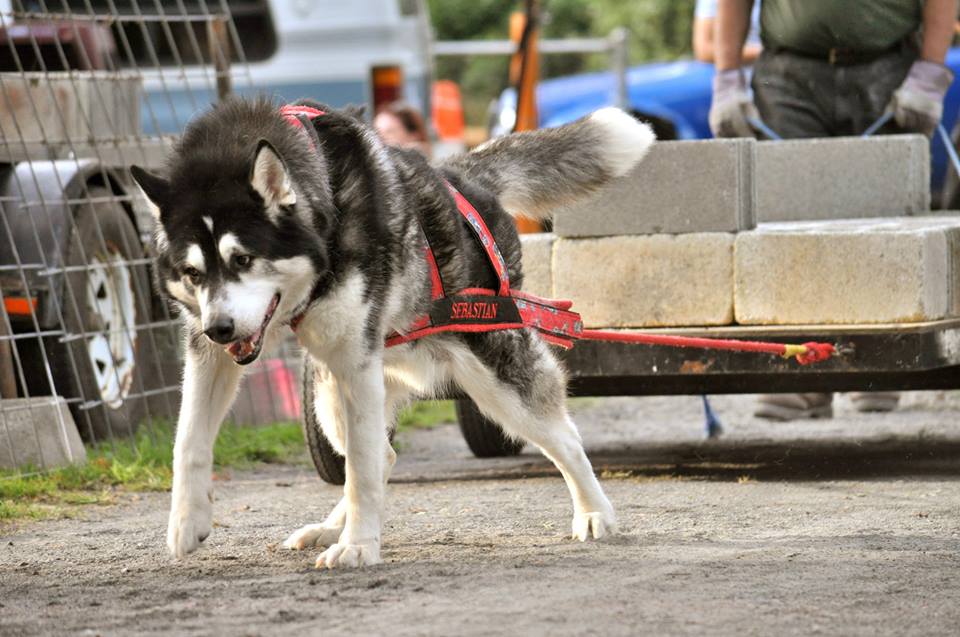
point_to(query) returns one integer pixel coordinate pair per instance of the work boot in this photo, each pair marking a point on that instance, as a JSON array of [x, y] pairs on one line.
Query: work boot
[[792, 406], [875, 401]]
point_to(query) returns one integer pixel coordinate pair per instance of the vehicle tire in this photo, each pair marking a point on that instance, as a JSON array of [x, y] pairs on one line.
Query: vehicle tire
[[330, 465], [484, 437], [105, 363]]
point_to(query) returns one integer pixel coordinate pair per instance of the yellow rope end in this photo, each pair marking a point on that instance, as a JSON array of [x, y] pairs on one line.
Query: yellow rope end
[[792, 351]]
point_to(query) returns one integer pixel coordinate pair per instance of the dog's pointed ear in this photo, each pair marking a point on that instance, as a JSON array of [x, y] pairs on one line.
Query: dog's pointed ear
[[155, 189], [270, 179], [356, 111]]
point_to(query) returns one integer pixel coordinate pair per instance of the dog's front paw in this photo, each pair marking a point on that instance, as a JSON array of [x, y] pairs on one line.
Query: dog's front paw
[[187, 528], [597, 524], [349, 556], [313, 535]]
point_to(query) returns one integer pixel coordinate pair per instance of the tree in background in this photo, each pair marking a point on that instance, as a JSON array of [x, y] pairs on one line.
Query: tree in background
[[659, 30]]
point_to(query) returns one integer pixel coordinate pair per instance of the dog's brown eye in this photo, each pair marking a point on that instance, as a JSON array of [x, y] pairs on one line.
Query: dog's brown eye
[[193, 274], [242, 260]]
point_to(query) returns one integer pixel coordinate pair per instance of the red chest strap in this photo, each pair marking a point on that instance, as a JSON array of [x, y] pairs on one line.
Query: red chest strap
[[474, 309], [480, 228], [293, 112], [482, 310]]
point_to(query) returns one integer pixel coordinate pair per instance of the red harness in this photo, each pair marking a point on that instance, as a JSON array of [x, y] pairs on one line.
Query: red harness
[[473, 309], [486, 310]]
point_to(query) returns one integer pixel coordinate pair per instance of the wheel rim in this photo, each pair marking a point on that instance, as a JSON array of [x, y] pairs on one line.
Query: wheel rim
[[112, 302]]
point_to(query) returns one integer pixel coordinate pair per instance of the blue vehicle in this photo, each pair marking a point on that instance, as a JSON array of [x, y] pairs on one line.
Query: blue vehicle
[[675, 98]]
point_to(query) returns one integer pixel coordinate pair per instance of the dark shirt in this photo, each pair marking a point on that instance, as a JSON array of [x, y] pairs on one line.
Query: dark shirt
[[817, 26]]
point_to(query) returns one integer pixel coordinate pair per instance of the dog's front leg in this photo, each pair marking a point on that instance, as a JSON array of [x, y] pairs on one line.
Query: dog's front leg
[[210, 381], [362, 393]]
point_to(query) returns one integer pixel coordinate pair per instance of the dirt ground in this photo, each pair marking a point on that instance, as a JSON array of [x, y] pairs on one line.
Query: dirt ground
[[849, 526]]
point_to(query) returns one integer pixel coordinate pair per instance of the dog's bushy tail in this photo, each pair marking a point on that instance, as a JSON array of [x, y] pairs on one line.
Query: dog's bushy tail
[[536, 172]]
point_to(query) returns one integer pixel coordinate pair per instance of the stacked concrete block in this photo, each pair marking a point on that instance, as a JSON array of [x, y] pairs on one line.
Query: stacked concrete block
[[647, 281], [38, 432], [680, 187], [852, 271], [842, 178], [537, 257]]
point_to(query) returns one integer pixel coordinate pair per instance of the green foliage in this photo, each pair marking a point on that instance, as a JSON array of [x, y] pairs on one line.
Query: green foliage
[[426, 415], [143, 464], [659, 30]]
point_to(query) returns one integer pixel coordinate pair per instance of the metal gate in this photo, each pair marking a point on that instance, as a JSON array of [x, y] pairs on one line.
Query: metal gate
[[87, 88]]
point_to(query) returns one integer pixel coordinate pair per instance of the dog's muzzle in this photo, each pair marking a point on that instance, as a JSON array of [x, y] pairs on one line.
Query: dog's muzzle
[[245, 351]]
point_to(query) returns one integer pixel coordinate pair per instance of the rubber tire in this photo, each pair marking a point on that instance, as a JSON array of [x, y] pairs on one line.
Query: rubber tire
[[330, 465], [483, 436], [118, 231]]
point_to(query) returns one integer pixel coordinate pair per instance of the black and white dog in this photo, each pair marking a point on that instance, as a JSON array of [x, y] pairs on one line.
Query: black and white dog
[[262, 223]]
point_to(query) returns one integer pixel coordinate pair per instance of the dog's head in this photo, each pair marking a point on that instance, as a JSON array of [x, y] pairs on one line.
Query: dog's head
[[240, 242]]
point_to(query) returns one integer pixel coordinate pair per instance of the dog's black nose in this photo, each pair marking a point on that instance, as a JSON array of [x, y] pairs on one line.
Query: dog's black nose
[[220, 330]]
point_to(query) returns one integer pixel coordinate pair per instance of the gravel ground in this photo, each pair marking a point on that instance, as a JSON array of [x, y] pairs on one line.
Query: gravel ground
[[849, 526]]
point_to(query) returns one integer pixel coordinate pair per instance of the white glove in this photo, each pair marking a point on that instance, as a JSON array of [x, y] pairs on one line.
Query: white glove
[[731, 106], [918, 104]]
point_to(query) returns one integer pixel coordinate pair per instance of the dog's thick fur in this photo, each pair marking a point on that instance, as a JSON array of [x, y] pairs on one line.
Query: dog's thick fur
[[257, 226]]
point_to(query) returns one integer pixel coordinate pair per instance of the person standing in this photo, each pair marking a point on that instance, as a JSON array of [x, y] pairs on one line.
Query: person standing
[[705, 27], [400, 124], [827, 69]]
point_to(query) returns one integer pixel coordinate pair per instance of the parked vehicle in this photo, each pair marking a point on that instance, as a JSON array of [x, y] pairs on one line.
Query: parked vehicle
[[675, 98], [94, 87], [359, 52]]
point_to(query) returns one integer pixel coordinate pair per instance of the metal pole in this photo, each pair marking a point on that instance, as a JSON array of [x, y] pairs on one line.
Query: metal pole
[[619, 57], [220, 55]]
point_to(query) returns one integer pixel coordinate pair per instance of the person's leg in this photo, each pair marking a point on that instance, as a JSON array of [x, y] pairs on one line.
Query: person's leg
[[868, 89], [792, 94], [788, 91], [785, 407], [865, 90]]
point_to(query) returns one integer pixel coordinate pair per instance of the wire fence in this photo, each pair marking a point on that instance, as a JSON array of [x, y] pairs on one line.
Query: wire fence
[[87, 88]]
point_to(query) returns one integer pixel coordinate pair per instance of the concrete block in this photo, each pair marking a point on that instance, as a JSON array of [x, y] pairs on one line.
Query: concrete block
[[843, 178], [39, 432], [680, 187], [647, 281], [537, 263], [849, 271], [63, 107]]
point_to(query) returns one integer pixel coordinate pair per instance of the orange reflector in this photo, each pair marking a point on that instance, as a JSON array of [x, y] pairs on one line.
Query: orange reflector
[[447, 108], [19, 305], [387, 85]]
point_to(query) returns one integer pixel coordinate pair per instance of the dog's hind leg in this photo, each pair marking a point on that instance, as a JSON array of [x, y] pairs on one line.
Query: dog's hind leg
[[330, 413], [516, 382], [210, 382]]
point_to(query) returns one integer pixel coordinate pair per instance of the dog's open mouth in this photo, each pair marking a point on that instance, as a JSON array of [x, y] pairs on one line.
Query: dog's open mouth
[[246, 350]]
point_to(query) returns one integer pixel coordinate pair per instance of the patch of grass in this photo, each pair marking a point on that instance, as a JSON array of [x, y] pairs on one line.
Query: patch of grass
[[141, 464], [426, 415], [241, 447]]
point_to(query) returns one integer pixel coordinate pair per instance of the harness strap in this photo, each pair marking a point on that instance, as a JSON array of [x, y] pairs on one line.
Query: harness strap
[[479, 228], [476, 310], [472, 310], [294, 112]]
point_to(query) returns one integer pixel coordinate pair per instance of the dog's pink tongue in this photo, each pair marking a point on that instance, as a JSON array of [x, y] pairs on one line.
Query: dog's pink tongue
[[241, 349]]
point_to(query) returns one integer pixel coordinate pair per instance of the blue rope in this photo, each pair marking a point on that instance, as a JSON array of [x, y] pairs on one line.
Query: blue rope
[[760, 126], [712, 427], [874, 127], [948, 144]]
